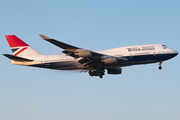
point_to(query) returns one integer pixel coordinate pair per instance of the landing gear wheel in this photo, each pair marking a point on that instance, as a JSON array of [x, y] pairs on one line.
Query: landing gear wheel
[[160, 67], [97, 72]]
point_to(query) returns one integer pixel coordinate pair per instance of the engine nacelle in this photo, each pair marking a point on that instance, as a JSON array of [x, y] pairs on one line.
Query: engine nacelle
[[110, 60], [83, 53], [114, 71]]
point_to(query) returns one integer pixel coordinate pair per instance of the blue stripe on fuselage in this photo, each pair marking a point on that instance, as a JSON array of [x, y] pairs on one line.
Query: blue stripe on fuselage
[[159, 57], [143, 59]]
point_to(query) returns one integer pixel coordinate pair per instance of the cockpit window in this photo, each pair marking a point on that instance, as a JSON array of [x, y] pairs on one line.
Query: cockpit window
[[164, 46]]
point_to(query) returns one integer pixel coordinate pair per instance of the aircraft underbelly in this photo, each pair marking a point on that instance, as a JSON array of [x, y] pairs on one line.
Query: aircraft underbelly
[[65, 65]]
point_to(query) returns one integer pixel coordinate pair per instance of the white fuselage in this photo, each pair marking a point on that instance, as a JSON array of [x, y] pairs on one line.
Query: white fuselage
[[140, 54]]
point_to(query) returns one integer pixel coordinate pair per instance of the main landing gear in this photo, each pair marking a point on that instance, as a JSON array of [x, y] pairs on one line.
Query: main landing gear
[[97, 72], [160, 67]]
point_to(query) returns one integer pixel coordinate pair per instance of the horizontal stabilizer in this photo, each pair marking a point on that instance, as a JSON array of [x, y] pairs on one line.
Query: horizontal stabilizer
[[15, 58]]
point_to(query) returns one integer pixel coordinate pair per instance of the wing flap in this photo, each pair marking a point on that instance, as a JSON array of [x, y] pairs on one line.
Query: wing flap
[[70, 53]]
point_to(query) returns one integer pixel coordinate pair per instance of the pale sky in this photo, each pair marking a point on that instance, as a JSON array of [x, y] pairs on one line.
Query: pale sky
[[141, 92]]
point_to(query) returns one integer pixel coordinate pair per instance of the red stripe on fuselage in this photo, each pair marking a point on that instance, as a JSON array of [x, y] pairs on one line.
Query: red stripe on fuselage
[[20, 51], [15, 41]]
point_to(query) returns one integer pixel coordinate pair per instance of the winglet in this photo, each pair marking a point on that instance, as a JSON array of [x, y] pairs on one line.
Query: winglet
[[44, 37], [59, 44]]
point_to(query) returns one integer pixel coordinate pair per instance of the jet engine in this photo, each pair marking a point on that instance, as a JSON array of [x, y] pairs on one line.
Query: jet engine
[[114, 71], [83, 53], [110, 60]]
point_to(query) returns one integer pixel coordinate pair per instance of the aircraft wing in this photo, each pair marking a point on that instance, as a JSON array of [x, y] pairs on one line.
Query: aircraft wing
[[69, 49], [89, 58]]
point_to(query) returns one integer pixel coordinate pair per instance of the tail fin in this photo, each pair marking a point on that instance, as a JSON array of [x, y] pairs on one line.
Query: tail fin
[[20, 48]]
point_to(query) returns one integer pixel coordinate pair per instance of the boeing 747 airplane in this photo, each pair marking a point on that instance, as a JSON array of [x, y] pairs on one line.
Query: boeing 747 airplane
[[95, 62]]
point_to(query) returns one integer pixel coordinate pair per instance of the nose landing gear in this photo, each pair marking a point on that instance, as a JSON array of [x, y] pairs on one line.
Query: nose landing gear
[[160, 67]]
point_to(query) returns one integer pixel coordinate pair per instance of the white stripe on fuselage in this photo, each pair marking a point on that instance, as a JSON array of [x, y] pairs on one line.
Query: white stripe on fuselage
[[137, 50]]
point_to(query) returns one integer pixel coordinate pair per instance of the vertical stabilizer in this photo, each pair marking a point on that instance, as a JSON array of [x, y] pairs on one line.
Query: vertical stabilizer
[[20, 48]]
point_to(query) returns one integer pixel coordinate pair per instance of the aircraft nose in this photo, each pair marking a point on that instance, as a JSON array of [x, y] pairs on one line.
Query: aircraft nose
[[175, 53]]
